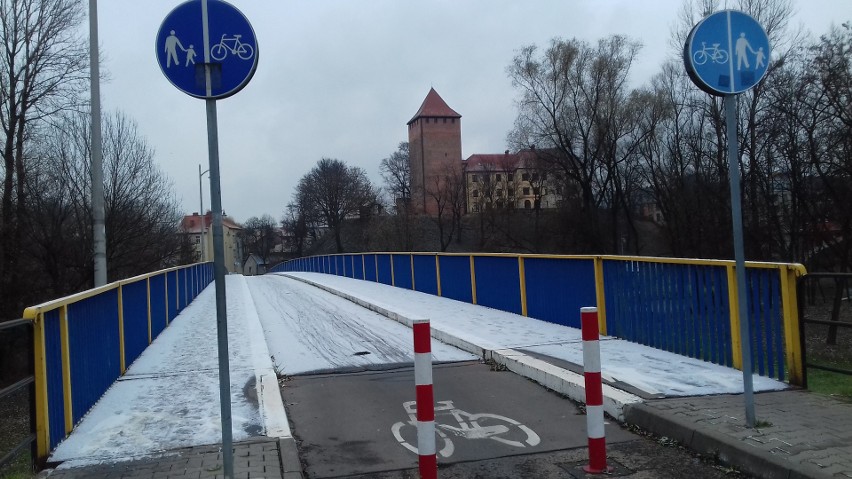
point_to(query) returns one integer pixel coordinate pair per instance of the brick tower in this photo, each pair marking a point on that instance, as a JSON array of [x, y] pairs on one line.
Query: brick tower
[[434, 149]]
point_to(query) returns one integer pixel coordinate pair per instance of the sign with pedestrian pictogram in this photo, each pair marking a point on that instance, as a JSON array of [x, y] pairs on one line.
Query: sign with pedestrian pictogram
[[726, 53], [212, 33]]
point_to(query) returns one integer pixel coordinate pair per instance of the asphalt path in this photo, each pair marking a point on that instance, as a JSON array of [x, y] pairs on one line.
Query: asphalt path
[[360, 423]]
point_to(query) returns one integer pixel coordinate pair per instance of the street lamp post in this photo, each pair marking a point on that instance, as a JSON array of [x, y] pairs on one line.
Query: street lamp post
[[201, 211]]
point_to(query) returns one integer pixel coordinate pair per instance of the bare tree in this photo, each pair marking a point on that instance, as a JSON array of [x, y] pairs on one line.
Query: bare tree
[[43, 69], [333, 192], [259, 236], [396, 172], [573, 102], [142, 215], [448, 192]]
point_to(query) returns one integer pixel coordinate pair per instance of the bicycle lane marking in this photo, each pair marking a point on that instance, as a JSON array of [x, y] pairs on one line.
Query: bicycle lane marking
[[471, 426]]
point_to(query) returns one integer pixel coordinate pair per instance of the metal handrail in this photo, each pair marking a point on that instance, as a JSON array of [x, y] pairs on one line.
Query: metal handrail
[[27, 382]]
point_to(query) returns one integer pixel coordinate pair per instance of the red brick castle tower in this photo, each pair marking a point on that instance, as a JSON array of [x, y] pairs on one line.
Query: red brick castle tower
[[434, 149]]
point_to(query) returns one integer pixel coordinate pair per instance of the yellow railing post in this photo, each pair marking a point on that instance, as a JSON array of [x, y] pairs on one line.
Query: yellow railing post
[[734, 309], [472, 281], [148, 292], [600, 294], [522, 275], [438, 272], [121, 360], [166, 283], [42, 422], [66, 369], [792, 337]]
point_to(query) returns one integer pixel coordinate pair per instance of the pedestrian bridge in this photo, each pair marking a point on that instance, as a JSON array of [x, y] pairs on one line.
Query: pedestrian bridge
[[83, 343]]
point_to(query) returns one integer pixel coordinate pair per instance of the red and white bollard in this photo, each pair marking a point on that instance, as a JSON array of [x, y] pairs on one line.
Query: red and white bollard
[[425, 396], [594, 392]]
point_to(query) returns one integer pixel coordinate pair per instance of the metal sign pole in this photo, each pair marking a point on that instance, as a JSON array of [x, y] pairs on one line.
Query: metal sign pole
[[218, 257], [219, 277], [227, 69], [739, 254]]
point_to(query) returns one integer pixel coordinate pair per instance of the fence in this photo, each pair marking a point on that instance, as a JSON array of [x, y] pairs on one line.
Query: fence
[[17, 391], [84, 342], [826, 318], [684, 306]]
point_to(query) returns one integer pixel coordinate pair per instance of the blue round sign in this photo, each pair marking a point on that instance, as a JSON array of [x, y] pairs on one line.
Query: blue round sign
[[726, 53], [207, 33]]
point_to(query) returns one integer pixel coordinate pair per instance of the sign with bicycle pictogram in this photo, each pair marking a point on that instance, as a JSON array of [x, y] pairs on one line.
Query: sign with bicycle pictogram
[[454, 423], [726, 53], [207, 33]]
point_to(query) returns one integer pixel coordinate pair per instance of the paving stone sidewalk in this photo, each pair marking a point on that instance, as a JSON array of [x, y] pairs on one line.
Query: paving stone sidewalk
[[265, 458], [799, 434]]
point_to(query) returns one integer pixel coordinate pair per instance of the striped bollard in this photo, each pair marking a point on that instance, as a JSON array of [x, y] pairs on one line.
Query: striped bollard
[[594, 392], [428, 460]]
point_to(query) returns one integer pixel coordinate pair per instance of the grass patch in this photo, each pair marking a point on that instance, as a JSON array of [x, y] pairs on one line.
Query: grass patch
[[20, 468], [829, 383]]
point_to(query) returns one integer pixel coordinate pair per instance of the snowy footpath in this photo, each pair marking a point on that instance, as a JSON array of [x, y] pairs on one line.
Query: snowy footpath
[[517, 338], [169, 397]]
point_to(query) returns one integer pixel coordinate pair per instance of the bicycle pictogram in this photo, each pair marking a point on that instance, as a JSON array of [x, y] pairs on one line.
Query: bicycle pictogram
[[714, 54], [464, 425], [233, 45]]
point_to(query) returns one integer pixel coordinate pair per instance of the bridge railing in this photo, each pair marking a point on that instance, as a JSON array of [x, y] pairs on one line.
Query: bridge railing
[[685, 306], [85, 341]]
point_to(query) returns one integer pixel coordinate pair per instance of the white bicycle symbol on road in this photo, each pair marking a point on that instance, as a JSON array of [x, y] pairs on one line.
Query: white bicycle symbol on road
[[470, 426], [233, 45]]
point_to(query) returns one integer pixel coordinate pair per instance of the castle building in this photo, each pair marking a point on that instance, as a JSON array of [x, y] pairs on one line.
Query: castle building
[[484, 181], [434, 149]]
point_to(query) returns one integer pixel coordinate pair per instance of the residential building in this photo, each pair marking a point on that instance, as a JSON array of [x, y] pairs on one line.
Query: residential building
[[199, 229], [510, 180], [254, 265]]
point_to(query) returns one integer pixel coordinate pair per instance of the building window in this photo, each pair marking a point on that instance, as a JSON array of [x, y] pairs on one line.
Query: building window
[[525, 177], [474, 179], [499, 177], [476, 208], [526, 191], [527, 205], [511, 177], [511, 192], [197, 239], [445, 120], [475, 193]]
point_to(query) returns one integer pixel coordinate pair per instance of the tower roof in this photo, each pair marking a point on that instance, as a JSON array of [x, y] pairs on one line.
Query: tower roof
[[434, 106]]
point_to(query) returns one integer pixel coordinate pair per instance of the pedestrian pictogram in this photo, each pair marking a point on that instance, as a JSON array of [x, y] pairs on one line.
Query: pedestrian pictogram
[[726, 53]]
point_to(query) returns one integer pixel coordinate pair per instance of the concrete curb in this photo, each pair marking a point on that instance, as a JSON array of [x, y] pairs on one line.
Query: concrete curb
[[552, 377], [288, 452]]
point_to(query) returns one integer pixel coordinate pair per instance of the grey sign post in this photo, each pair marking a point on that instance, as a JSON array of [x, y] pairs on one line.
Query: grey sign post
[[726, 54], [224, 65]]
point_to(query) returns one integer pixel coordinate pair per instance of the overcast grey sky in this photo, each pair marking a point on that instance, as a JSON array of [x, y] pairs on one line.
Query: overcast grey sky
[[340, 79]]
